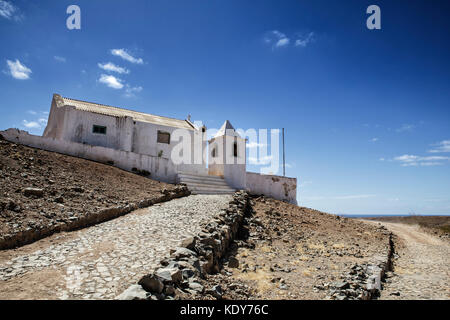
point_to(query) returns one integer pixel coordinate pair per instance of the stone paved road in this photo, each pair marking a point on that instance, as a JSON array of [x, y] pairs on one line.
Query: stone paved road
[[423, 269], [101, 261]]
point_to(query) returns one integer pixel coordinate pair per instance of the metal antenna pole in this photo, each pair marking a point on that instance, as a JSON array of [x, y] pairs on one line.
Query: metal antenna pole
[[284, 158]]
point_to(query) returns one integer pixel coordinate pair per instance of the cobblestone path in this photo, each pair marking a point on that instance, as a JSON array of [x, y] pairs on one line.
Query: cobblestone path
[[422, 270], [101, 261]]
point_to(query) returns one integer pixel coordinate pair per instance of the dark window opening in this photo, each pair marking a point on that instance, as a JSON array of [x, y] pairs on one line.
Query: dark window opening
[[99, 129], [235, 149], [163, 137], [213, 153]]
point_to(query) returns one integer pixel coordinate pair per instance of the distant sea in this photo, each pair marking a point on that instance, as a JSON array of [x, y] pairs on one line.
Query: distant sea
[[387, 215]]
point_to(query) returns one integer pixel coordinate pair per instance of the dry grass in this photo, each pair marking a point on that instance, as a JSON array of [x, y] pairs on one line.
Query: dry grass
[[260, 277]]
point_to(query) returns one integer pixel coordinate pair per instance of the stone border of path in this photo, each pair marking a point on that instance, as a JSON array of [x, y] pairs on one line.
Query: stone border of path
[[29, 236], [363, 282], [197, 257]]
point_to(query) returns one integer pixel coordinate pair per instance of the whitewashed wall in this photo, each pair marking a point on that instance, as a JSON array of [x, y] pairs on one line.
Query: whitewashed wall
[[160, 168], [280, 188], [123, 133], [233, 173]]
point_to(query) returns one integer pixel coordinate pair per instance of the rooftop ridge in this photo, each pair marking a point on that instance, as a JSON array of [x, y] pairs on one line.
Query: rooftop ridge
[[120, 108]]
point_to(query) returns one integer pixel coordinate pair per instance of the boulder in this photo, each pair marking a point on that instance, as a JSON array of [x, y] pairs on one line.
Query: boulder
[[196, 286], [187, 273], [152, 283], [341, 285], [188, 243], [169, 290], [216, 292], [33, 192], [134, 292], [169, 274], [183, 253], [233, 262]]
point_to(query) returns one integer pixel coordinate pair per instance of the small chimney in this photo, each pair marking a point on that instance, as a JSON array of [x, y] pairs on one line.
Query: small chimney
[[189, 117]]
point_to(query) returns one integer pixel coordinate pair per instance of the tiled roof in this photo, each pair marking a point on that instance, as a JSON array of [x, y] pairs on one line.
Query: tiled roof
[[119, 112]]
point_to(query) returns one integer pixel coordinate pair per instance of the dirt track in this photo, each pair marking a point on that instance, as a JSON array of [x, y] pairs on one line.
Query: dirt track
[[422, 270]]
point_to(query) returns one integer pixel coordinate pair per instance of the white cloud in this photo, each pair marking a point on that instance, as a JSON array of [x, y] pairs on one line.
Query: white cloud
[[374, 139], [31, 124], [407, 160], [260, 160], [111, 81], [406, 127], [36, 124], [282, 42], [59, 59], [253, 144], [130, 91], [277, 39], [304, 41], [126, 56], [441, 147], [427, 164], [278, 34], [10, 11], [17, 70], [113, 68]]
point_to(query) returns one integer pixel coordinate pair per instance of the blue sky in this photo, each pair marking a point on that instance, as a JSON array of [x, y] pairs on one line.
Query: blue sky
[[366, 112]]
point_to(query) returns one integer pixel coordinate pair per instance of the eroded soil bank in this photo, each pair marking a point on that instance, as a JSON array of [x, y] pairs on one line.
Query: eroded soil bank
[[45, 192]]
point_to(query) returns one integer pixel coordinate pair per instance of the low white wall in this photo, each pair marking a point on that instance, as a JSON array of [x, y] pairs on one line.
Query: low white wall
[[160, 168], [280, 188]]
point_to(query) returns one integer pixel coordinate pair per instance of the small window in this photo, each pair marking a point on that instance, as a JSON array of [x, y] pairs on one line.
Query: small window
[[235, 149], [214, 153], [99, 129], [163, 137]]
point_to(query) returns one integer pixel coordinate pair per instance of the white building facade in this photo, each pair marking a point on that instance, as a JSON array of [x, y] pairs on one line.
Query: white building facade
[[150, 144]]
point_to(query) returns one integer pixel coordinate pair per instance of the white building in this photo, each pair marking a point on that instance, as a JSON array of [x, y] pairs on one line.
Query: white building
[[110, 127], [151, 145]]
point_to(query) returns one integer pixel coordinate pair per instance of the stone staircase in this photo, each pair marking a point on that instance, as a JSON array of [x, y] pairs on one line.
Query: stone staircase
[[204, 184]]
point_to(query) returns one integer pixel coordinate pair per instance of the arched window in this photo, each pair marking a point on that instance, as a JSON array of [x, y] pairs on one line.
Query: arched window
[[235, 149]]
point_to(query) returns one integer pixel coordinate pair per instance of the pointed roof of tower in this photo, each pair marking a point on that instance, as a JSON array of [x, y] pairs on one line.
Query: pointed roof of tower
[[227, 129]]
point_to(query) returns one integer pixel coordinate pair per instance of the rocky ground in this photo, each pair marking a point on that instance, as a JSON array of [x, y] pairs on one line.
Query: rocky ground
[[290, 252], [40, 189], [422, 266], [101, 261]]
